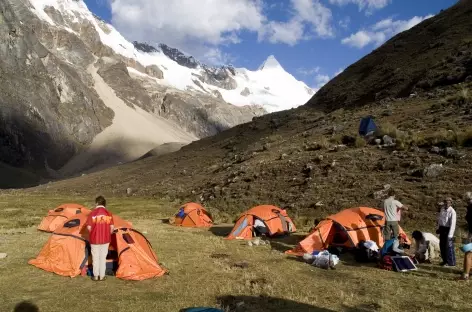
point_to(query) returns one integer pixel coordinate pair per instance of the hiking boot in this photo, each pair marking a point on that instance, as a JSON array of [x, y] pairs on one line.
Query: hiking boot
[[95, 279], [103, 278]]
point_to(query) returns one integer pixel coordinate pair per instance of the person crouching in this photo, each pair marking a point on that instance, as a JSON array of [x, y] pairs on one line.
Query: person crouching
[[427, 246]]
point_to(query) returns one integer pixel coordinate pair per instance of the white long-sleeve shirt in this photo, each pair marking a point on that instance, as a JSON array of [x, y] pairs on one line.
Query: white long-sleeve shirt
[[447, 218]]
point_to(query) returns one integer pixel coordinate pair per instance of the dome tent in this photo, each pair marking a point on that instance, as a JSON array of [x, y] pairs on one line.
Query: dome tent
[[275, 219], [193, 215], [344, 229], [58, 216]]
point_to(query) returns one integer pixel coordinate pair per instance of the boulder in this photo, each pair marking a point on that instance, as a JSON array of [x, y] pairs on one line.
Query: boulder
[[387, 140], [435, 150], [433, 170], [154, 71]]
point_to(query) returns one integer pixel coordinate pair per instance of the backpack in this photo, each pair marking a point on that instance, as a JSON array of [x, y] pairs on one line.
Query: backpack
[[364, 254], [387, 247], [386, 263]]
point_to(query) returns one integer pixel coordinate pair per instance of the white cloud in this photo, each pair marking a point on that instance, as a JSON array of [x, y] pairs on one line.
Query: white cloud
[[338, 72], [199, 26], [307, 18], [381, 31], [282, 32], [363, 38], [344, 23], [309, 71], [321, 80], [368, 5], [316, 15], [218, 57], [193, 26]]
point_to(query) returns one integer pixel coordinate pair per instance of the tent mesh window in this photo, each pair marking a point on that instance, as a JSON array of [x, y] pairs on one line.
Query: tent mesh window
[[72, 223], [128, 239], [58, 209]]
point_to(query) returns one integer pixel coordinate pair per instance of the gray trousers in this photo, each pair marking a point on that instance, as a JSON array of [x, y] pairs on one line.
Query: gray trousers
[[99, 259], [391, 226]]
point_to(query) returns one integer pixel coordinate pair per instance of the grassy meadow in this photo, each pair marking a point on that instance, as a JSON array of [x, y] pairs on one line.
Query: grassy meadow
[[206, 270]]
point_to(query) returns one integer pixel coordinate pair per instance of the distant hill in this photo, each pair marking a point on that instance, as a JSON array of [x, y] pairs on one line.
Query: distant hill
[[435, 53]]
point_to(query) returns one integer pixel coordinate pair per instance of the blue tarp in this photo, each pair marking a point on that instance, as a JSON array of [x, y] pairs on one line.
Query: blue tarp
[[367, 125], [203, 310]]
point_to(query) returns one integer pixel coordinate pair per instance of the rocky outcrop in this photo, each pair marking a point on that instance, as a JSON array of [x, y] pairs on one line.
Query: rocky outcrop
[[204, 115], [245, 92], [218, 77], [154, 71], [179, 57], [144, 47], [38, 122], [116, 75]]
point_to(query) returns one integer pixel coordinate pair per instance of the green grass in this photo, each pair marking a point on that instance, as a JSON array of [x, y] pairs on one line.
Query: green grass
[[197, 279]]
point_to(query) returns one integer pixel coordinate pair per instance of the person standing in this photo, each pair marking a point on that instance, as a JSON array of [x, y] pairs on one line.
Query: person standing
[[391, 209], [100, 227], [446, 228], [468, 216]]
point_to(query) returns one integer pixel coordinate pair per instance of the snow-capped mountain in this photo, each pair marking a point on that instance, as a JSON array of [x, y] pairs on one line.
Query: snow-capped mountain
[[270, 86]]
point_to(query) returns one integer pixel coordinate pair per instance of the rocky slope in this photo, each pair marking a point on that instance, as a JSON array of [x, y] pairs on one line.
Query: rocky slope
[[313, 162]]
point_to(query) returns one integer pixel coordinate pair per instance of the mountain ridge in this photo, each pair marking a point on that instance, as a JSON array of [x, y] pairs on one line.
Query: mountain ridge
[[230, 83]]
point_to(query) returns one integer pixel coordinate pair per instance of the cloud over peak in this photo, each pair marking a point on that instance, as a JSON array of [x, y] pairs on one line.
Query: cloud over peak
[[197, 26], [378, 33]]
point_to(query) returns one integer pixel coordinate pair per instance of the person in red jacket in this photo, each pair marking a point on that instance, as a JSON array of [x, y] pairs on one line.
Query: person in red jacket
[[100, 227]]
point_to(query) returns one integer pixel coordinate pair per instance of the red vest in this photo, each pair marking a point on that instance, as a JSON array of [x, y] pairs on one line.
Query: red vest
[[100, 220]]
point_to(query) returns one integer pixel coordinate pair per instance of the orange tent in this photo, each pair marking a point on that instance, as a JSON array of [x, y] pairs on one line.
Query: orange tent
[[58, 216], [67, 252], [346, 228], [193, 215], [275, 219]]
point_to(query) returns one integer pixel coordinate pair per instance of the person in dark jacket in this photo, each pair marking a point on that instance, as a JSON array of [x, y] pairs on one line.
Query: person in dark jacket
[[468, 216]]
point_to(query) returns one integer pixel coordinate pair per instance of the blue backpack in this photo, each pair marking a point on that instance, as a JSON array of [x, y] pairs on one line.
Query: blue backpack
[[181, 213], [387, 247]]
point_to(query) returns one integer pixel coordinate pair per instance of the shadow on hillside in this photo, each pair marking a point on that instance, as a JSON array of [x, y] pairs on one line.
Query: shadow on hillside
[[221, 230], [265, 304], [26, 306]]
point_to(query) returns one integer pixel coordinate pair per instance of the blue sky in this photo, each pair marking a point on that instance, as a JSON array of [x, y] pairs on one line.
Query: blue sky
[[312, 39]]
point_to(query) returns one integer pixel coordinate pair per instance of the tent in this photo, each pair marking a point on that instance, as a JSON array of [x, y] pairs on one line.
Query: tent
[[58, 216], [367, 125], [275, 219], [193, 215], [344, 229], [67, 252]]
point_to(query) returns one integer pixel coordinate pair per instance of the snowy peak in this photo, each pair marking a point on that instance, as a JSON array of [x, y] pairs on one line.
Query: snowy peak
[[271, 86], [270, 63]]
